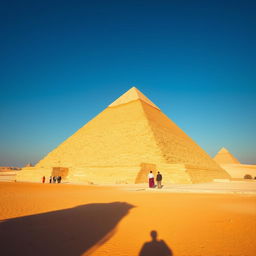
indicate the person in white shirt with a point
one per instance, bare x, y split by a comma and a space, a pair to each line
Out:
151, 181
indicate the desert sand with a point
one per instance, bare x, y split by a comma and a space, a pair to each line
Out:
64, 219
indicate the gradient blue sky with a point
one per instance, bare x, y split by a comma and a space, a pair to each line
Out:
63, 62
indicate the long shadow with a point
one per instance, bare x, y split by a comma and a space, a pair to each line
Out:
71, 231
155, 247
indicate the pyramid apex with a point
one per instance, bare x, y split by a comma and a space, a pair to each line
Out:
131, 95
223, 150
133, 89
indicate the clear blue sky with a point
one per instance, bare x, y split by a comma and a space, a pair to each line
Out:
63, 62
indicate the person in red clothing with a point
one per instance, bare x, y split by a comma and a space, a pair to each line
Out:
151, 181
43, 179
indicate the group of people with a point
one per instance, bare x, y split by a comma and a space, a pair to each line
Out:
151, 180
52, 179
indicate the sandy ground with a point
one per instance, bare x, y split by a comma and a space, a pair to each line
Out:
63, 219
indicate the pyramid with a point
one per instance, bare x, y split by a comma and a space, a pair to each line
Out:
28, 165
225, 157
233, 167
123, 143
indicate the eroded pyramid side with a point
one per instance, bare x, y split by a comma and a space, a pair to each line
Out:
117, 136
177, 147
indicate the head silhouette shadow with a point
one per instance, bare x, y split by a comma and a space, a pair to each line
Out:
155, 247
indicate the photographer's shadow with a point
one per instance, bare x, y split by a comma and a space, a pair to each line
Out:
155, 247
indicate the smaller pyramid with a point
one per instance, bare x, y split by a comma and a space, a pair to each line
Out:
225, 157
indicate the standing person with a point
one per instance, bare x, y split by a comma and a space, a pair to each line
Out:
54, 179
159, 180
43, 179
151, 181
59, 179
50, 180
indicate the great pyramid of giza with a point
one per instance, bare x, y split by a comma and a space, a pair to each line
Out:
225, 157
121, 144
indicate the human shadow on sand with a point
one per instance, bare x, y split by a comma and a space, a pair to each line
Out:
66, 232
155, 247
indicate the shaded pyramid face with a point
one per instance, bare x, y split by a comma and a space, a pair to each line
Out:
225, 157
130, 133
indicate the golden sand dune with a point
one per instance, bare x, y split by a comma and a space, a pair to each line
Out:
60, 219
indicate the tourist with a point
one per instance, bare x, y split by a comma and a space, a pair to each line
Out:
43, 179
151, 181
159, 180
59, 179
54, 179
50, 180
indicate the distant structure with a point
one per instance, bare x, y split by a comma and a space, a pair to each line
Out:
224, 157
8, 173
122, 144
28, 165
9, 168
233, 167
